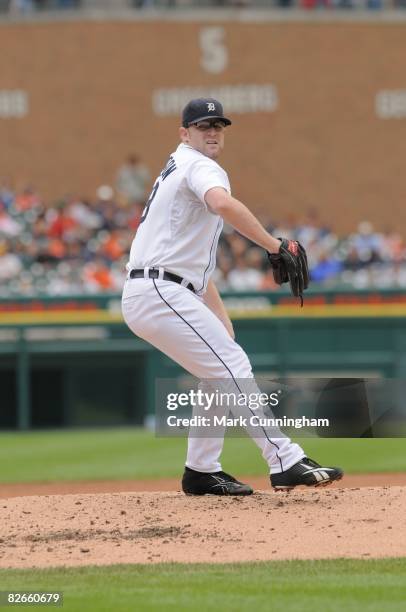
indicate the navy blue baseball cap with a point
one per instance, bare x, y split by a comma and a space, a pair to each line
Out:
201, 109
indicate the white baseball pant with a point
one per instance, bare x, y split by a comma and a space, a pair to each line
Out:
178, 323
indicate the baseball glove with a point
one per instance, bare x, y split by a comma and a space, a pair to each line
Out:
289, 265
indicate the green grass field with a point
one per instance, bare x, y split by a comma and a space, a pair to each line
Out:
291, 586
135, 453
295, 586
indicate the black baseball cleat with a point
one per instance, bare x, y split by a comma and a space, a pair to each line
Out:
214, 483
305, 472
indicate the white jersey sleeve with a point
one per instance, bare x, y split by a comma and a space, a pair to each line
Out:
204, 175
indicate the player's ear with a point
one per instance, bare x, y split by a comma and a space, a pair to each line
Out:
183, 134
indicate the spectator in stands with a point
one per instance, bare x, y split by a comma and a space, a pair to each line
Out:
97, 277
237, 245
247, 273
312, 4
27, 199
286, 227
222, 271
393, 247
327, 267
67, 4
21, 6
10, 263
6, 193
112, 247
63, 224
375, 5
132, 181
83, 214
8, 226
366, 243
150, 3
268, 282
311, 229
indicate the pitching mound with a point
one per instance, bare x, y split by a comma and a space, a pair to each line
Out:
259, 483
152, 527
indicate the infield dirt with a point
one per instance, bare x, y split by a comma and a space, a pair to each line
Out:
150, 527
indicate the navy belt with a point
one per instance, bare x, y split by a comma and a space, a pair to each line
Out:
154, 273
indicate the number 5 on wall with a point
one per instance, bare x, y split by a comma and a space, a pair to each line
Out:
214, 58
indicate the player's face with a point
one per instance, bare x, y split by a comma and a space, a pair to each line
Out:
206, 137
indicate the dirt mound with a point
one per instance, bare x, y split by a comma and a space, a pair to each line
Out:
151, 527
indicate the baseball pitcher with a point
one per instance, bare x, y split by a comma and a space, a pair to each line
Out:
170, 301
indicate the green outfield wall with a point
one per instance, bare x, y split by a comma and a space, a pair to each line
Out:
73, 362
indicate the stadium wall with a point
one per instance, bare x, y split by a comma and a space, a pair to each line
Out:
319, 108
62, 365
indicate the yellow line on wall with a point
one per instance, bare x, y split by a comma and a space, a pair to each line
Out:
309, 312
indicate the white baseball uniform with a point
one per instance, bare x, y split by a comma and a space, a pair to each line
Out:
179, 234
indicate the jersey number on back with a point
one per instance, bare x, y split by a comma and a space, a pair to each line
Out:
150, 200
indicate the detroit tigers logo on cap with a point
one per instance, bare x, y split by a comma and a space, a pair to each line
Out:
203, 108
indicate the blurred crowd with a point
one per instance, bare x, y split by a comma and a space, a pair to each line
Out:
362, 260
29, 6
80, 245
